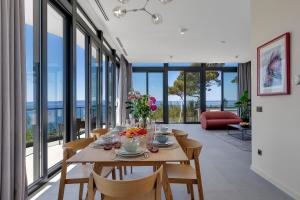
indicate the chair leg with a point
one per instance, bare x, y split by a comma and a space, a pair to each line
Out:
200, 189
120, 173
188, 188
113, 174
61, 189
80, 191
191, 191
125, 170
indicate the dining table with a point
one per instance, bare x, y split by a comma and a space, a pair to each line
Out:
102, 158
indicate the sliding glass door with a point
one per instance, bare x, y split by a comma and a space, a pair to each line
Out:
230, 83
184, 96
213, 85
95, 88
55, 84
80, 83
176, 96
33, 139
193, 97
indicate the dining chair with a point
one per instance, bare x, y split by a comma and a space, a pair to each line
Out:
97, 133
79, 173
146, 188
184, 173
179, 135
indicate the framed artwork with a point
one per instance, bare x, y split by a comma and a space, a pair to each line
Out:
273, 67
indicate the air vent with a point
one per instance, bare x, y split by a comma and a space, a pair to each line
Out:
119, 41
102, 10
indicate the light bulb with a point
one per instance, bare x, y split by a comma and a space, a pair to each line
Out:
119, 12
156, 18
123, 1
165, 1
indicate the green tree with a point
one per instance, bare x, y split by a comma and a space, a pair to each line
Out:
193, 84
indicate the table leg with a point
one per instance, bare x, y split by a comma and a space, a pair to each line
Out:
166, 184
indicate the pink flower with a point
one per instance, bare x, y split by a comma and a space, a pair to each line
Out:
153, 100
153, 107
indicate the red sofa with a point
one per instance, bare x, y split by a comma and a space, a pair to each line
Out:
218, 119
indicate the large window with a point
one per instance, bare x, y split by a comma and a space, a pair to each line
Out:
32, 99
80, 83
176, 96
139, 82
230, 91
193, 96
55, 85
62, 86
95, 89
213, 90
155, 88
187, 88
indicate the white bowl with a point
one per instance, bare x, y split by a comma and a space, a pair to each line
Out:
131, 147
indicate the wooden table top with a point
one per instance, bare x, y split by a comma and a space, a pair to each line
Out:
94, 155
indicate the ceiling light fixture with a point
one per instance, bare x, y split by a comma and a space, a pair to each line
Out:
182, 31
119, 11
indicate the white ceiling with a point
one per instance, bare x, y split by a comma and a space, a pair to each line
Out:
208, 22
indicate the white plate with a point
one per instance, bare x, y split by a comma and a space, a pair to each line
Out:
167, 144
123, 152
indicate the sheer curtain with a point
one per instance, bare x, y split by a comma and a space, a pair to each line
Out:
124, 85
12, 101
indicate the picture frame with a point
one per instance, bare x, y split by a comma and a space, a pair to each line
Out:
273, 67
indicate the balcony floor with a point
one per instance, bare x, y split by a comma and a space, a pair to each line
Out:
225, 172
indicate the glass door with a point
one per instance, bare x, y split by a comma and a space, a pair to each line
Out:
33, 139
193, 98
213, 83
80, 84
176, 96
55, 84
95, 88
230, 84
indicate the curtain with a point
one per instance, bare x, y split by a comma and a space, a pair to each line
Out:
12, 101
124, 84
244, 78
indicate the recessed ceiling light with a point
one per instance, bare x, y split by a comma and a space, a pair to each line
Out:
182, 31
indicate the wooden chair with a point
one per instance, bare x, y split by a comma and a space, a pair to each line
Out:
147, 188
179, 135
184, 173
98, 132
80, 173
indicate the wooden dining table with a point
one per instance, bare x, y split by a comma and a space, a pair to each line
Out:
101, 158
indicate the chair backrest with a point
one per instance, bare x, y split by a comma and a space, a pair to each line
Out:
71, 148
192, 148
179, 135
144, 188
96, 133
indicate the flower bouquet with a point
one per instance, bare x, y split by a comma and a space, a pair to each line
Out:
141, 106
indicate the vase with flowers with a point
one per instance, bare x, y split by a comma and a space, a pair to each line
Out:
141, 107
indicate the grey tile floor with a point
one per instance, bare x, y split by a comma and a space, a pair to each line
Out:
226, 173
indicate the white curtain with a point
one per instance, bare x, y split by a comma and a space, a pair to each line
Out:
124, 84
12, 101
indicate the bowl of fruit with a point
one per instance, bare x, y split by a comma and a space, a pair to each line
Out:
130, 132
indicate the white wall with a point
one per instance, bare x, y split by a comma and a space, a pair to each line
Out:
277, 129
